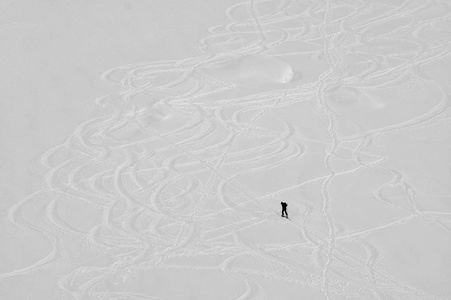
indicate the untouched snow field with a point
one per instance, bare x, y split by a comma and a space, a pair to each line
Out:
146, 147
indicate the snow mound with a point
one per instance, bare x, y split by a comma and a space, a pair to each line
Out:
252, 70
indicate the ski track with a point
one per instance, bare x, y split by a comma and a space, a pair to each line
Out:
164, 193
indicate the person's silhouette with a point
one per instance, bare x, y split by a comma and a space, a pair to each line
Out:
284, 209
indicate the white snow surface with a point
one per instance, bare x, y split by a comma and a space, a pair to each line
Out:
146, 146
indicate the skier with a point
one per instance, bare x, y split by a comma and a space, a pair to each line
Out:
284, 209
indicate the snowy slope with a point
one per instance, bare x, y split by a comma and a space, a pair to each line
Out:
146, 147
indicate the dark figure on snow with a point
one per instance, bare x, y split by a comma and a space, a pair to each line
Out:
284, 209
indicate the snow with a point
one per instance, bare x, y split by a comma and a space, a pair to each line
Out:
146, 147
